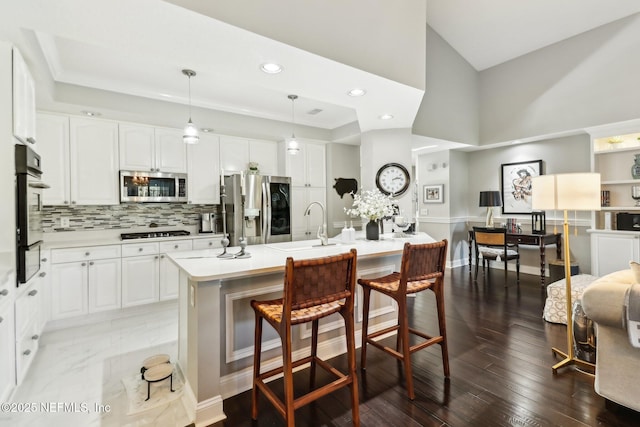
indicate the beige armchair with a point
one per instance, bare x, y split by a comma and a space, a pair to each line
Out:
617, 362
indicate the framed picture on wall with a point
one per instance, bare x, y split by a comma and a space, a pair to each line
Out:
516, 185
433, 193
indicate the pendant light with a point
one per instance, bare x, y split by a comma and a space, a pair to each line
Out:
292, 144
190, 134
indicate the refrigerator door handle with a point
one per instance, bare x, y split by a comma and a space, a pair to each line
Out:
266, 209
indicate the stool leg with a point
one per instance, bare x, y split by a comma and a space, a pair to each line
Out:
438, 290
314, 352
171, 383
287, 372
351, 356
366, 296
406, 352
148, 391
257, 348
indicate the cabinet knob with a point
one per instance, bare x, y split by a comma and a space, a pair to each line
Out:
90, 262
4, 292
31, 140
44, 273
44, 260
140, 249
35, 337
26, 352
175, 246
73, 202
162, 256
1, 319
156, 257
66, 202
210, 243
83, 264
87, 253
33, 293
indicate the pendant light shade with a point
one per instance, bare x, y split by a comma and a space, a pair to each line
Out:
292, 143
190, 134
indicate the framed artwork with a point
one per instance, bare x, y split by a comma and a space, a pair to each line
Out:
433, 193
516, 185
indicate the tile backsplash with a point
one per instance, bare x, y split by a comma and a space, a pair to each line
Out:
124, 216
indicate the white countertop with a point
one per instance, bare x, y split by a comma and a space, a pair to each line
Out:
73, 239
204, 265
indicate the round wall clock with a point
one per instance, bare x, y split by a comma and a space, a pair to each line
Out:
393, 178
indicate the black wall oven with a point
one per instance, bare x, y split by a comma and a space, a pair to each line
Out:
28, 212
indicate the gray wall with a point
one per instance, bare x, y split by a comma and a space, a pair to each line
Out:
449, 109
587, 80
342, 162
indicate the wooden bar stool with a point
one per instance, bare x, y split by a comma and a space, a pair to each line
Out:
313, 289
422, 268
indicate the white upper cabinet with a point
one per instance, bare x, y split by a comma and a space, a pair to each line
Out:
24, 101
308, 167
54, 149
80, 160
145, 148
236, 153
93, 151
203, 168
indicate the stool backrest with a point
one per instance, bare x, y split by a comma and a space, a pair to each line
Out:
490, 236
423, 261
311, 282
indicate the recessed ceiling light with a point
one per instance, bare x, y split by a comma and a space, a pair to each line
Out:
386, 117
271, 68
357, 92
206, 130
90, 113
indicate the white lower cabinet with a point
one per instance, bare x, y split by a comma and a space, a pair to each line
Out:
85, 280
28, 326
7, 355
612, 252
169, 272
140, 274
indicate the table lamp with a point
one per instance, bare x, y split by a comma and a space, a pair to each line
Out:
490, 199
576, 192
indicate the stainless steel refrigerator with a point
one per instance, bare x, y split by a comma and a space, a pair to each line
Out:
259, 208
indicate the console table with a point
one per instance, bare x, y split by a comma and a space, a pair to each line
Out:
539, 240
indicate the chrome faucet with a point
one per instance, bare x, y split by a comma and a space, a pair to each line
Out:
322, 230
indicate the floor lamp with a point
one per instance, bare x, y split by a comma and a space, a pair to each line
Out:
575, 192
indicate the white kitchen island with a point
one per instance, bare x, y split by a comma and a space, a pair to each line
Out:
216, 325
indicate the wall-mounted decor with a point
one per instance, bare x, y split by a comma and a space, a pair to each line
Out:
433, 193
516, 185
346, 186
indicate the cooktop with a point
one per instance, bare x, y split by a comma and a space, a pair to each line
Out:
152, 234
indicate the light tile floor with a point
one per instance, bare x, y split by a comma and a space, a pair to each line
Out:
82, 368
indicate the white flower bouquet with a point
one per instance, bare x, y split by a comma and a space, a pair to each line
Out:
371, 205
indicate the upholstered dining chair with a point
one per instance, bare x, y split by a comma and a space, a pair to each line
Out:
491, 245
422, 268
313, 289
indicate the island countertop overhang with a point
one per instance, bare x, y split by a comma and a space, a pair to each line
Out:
204, 265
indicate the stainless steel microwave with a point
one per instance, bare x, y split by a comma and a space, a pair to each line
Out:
152, 187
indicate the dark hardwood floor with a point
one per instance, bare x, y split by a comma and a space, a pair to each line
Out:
500, 355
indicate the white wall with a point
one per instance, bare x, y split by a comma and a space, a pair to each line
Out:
342, 162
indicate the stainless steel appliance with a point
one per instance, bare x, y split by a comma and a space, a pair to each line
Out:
208, 222
265, 213
28, 212
152, 187
153, 234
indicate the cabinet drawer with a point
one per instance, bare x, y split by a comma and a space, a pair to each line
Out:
26, 348
27, 307
524, 240
136, 249
175, 246
207, 243
84, 253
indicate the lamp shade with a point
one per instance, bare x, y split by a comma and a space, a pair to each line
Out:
543, 192
578, 191
567, 191
490, 198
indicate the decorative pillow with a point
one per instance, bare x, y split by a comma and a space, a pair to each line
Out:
635, 268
